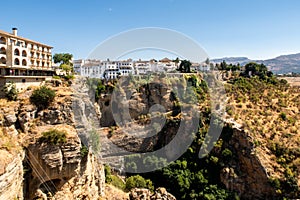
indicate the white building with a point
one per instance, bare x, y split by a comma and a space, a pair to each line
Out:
143, 67
105, 69
23, 61
167, 65
77, 64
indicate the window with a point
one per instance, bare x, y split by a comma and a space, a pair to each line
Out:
24, 62
17, 62
2, 60
2, 50
24, 54
16, 52
2, 40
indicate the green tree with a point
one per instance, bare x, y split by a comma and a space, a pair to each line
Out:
185, 66
63, 58
223, 65
138, 181
177, 60
256, 69
42, 97
65, 61
207, 61
67, 68
11, 92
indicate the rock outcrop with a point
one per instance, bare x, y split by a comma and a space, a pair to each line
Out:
62, 171
46, 170
146, 194
139, 103
246, 174
11, 176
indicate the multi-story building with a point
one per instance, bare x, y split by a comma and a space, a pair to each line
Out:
105, 69
23, 61
91, 68
77, 65
167, 65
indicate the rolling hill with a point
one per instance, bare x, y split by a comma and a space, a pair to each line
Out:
279, 65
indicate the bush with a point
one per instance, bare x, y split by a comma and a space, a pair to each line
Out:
42, 97
56, 77
117, 182
84, 151
69, 77
226, 153
283, 116
100, 89
138, 181
11, 92
108, 175
54, 136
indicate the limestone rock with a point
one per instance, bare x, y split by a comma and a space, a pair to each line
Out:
140, 194
26, 115
247, 175
10, 118
145, 194
62, 171
11, 177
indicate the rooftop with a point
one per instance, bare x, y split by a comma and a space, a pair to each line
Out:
21, 38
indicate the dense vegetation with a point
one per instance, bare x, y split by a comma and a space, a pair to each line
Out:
190, 177
42, 97
262, 104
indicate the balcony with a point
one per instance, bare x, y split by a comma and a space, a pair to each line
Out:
32, 73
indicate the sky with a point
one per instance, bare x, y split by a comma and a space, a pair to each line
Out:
258, 29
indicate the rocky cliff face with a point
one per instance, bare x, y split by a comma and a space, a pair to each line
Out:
63, 171
246, 173
59, 171
11, 176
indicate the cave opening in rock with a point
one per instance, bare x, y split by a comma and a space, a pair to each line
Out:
50, 187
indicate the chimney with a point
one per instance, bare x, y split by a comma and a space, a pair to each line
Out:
15, 31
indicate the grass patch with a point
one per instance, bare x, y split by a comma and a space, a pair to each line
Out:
54, 136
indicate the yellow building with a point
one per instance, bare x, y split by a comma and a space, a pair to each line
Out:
23, 61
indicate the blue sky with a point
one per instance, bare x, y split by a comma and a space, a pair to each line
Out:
254, 28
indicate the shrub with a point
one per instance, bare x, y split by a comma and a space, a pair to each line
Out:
69, 77
113, 179
138, 181
226, 153
117, 182
283, 116
54, 136
275, 182
42, 97
56, 77
99, 90
108, 175
11, 92
84, 151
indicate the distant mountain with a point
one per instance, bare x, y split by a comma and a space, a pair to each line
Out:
233, 60
279, 65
